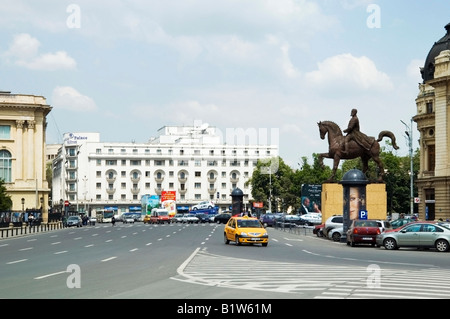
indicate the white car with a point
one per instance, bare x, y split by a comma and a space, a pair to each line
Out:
204, 205
335, 233
332, 222
189, 219
312, 218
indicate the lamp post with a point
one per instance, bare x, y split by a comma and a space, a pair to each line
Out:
408, 133
23, 205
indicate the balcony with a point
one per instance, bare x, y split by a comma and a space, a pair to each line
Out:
135, 190
111, 190
182, 191
110, 179
135, 179
212, 190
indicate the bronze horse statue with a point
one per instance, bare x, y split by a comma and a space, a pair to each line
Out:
336, 148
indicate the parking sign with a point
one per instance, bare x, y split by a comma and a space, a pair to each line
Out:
363, 214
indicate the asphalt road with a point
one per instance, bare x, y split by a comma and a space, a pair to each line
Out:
187, 262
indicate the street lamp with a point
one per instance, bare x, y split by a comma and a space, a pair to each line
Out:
23, 204
408, 133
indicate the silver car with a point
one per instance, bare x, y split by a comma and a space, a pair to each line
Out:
417, 234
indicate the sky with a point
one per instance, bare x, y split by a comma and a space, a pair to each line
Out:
126, 68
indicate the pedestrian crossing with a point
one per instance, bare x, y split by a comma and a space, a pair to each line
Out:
318, 281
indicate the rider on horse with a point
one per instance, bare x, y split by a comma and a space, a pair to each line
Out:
354, 134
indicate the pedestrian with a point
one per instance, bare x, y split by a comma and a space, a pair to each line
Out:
113, 220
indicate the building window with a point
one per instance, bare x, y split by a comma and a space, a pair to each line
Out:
98, 197
224, 174
171, 173
99, 162
123, 196
431, 157
135, 151
181, 152
147, 185
98, 185
198, 185
198, 196
211, 152
198, 163
98, 151
110, 197
147, 162
135, 163
147, 174
123, 185
98, 173
5, 132
429, 107
158, 151
198, 174
110, 151
224, 185
5, 166
124, 162
123, 173
147, 151
171, 185
111, 162
123, 151
196, 152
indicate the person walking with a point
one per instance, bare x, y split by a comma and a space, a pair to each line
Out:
113, 221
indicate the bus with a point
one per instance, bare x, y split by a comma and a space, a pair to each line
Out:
105, 216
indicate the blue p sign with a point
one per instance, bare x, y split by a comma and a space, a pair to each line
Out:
363, 214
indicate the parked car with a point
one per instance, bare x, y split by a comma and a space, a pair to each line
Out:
384, 225
203, 205
267, 219
318, 230
288, 220
335, 233
311, 219
222, 218
400, 222
416, 234
92, 220
189, 218
363, 232
245, 230
74, 221
333, 222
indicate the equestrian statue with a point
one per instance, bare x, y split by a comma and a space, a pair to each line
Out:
354, 144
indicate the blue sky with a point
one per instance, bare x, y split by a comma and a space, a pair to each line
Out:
127, 68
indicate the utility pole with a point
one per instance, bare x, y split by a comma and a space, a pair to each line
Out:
408, 133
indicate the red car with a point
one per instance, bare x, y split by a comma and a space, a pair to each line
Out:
363, 232
318, 230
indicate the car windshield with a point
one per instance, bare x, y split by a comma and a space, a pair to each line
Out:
245, 223
365, 223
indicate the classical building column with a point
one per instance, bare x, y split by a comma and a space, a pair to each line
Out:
19, 150
30, 154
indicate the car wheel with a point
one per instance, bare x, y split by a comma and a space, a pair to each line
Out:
352, 244
225, 239
265, 225
264, 244
336, 236
390, 244
218, 221
441, 245
236, 239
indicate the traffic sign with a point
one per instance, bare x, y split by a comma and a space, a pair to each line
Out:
66, 203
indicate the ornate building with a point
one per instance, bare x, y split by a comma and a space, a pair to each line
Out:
433, 124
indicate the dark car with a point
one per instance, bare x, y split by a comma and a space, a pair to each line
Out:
267, 219
222, 218
203, 218
363, 232
401, 222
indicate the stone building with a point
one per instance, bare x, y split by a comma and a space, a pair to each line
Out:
22, 150
433, 124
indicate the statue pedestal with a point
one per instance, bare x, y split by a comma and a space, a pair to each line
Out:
333, 201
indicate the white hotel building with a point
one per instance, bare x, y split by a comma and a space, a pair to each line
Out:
196, 162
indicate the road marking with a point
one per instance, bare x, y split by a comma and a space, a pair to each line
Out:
108, 259
17, 261
60, 252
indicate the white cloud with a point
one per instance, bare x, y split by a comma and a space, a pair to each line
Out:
68, 98
348, 72
413, 69
24, 52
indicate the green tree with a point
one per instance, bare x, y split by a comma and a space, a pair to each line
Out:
5, 199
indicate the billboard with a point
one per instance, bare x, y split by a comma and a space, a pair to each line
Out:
148, 202
311, 198
168, 202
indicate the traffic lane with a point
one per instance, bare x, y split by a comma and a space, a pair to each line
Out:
113, 259
285, 246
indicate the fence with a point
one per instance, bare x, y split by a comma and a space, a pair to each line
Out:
293, 228
9, 232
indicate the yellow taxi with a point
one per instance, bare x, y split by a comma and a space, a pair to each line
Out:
245, 230
146, 219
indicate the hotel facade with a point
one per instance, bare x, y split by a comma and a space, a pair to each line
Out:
197, 163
